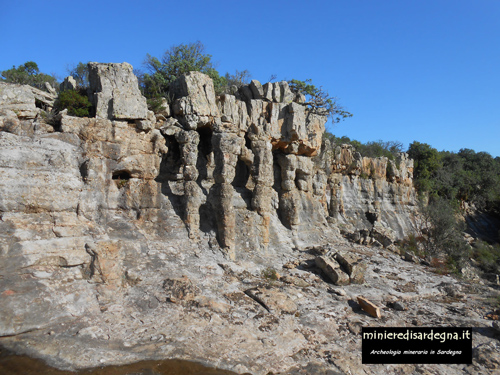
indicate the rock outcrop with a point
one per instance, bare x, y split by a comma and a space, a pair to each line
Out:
115, 92
371, 200
133, 236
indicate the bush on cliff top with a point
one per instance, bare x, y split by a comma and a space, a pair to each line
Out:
76, 103
319, 101
176, 61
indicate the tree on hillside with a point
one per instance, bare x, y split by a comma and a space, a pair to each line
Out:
80, 73
443, 233
28, 74
426, 163
176, 61
319, 101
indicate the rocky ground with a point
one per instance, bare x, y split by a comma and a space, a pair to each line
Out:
195, 234
192, 303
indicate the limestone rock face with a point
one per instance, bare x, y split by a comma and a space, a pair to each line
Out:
116, 92
163, 224
369, 198
195, 100
19, 99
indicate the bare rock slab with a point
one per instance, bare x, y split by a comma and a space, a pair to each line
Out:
332, 270
370, 307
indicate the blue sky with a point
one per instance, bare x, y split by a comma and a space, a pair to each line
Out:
425, 70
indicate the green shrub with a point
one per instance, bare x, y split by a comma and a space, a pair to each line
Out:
389, 171
156, 104
77, 104
488, 256
444, 233
178, 60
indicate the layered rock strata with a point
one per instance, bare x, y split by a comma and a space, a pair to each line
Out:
97, 213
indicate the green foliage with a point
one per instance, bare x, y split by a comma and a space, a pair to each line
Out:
76, 103
50, 117
80, 73
443, 232
178, 60
319, 101
155, 104
28, 74
426, 163
465, 176
488, 256
373, 149
390, 172
121, 183
413, 244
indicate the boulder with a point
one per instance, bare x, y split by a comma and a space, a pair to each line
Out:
332, 269
198, 92
276, 92
115, 92
19, 99
354, 265
268, 91
44, 97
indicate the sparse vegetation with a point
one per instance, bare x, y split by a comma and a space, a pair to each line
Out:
80, 73
155, 104
319, 101
76, 103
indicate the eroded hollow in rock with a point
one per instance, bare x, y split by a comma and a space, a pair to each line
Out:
121, 175
170, 165
371, 217
205, 155
241, 175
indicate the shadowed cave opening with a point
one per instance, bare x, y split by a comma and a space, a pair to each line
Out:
241, 176
170, 165
121, 175
371, 217
204, 151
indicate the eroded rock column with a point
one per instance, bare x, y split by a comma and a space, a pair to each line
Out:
289, 199
188, 141
263, 177
227, 148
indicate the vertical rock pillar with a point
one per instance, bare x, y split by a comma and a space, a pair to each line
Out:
227, 148
263, 176
188, 141
289, 199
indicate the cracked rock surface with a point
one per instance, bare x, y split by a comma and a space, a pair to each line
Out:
195, 236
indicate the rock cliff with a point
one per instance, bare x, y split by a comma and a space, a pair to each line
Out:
131, 235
